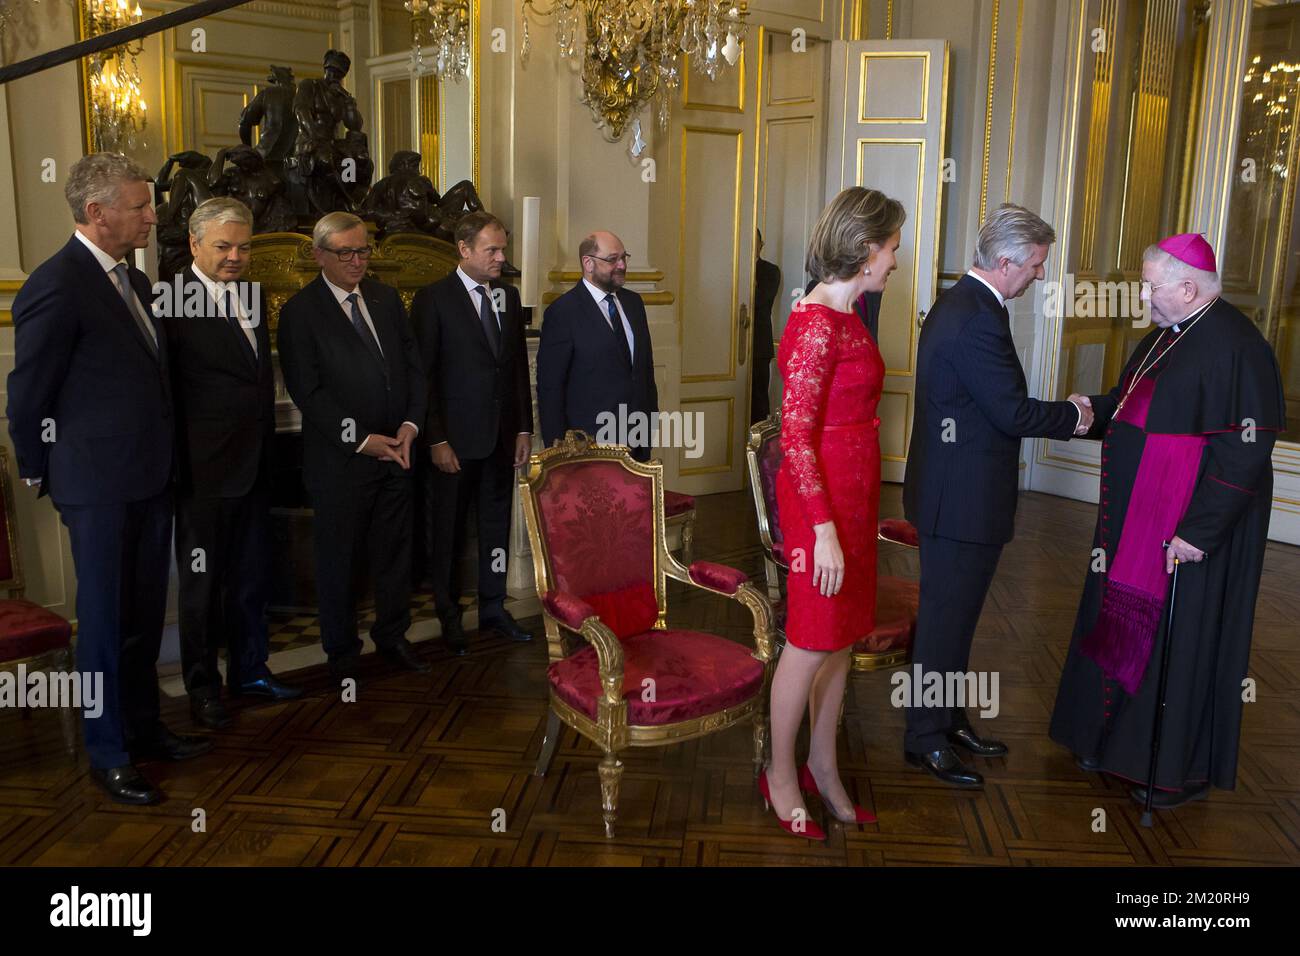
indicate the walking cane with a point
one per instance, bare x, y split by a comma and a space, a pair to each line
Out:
1146, 820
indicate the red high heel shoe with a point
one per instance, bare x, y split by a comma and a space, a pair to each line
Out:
806, 782
811, 830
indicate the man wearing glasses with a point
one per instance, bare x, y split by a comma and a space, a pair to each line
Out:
595, 359
471, 333
351, 365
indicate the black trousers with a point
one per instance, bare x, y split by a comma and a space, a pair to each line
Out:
366, 515
488, 483
223, 588
121, 553
955, 579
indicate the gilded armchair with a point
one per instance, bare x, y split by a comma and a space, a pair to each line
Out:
596, 525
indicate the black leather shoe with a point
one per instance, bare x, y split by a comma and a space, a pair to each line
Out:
979, 746
170, 746
505, 625
454, 635
125, 785
1167, 800
208, 712
1087, 764
403, 656
269, 687
947, 766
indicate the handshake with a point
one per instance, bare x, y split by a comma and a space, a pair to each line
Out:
1084, 404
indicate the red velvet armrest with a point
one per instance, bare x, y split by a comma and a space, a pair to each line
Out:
568, 609
899, 531
718, 577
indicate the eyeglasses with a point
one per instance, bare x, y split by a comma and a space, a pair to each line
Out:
345, 255
1148, 288
613, 259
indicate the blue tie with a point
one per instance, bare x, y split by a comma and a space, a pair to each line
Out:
359, 323
488, 317
232, 316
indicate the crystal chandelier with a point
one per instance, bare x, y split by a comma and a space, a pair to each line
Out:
634, 47
443, 25
117, 110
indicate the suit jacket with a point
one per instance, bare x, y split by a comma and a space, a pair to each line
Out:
475, 398
332, 377
225, 405
82, 364
581, 370
972, 408
767, 289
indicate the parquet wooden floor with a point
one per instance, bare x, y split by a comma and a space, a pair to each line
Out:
419, 769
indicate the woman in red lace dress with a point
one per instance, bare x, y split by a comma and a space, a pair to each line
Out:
828, 495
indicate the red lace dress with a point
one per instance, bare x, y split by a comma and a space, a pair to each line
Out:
832, 373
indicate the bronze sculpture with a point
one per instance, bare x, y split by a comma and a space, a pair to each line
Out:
271, 111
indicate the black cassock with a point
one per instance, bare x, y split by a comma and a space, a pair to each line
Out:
1218, 382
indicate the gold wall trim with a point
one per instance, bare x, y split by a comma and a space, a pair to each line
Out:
739, 69
867, 57
731, 430
988, 110
1015, 95
1098, 130
908, 398
889, 20
739, 137
475, 112
916, 267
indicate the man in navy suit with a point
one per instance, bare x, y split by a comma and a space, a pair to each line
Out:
595, 359
225, 417
352, 368
90, 415
972, 409
470, 328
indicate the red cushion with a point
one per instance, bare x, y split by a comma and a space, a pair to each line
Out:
628, 610
694, 674
719, 577
27, 629
567, 609
900, 532
778, 553
676, 503
896, 604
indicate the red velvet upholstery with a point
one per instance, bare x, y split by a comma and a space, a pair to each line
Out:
694, 674
628, 610
27, 629
676, 503
597, 522
770, 456
568, 610
896, 604
717, 576
900, 532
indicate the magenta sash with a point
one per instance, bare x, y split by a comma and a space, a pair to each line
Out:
1136, 584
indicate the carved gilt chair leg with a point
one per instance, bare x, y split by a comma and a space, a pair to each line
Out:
760, 740
553, 729
611, 771
688, 539
773, 575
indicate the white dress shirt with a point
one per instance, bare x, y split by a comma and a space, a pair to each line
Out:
600, 295
342, 297
109, 264
218, 295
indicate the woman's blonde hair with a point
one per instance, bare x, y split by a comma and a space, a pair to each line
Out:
855, 217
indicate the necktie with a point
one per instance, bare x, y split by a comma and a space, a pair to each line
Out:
128, 297
489, 320
232, 317
359, 323
616, 326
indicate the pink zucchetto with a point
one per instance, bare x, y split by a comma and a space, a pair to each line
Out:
1191, 248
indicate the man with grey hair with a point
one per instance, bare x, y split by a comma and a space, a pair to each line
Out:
972, 409
1186, 478
225, 418
90, 415
351, 365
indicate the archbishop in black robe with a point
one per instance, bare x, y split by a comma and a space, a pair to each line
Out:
1220, 383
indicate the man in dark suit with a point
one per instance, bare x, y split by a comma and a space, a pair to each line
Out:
225, 418
352, 368
480, 421
90, 415
767, 290
595, 362
972, 409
